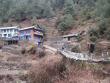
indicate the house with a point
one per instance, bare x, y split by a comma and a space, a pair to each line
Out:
8, 32
7, 35
12, 35
33, 33
70, 37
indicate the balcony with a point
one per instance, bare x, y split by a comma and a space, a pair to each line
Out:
38, 33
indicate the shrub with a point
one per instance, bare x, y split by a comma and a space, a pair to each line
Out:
101, 32
93, 32
79, 65
88, 16
107, 34
75, 49
79, 38
41, 52
23, 51
102, 27
32, 49
94, 35
93, 38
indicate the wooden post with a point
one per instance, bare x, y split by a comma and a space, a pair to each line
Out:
32, 34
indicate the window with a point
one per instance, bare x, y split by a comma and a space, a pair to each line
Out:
7, 30
10, 30
9, 35
5, 35
4, 30
15, 30
27, 37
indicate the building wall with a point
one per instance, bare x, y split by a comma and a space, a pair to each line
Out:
30, 35
8, 33
72, 39
38, 38
25, 35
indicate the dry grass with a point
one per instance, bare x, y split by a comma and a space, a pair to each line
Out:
46, 69
57, 69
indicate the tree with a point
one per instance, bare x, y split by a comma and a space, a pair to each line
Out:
65, 23
57, 4
69, 7
103, 12
103, 8
47, 9
23, 9
4, 6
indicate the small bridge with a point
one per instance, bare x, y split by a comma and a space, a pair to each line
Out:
84, 57
78, 56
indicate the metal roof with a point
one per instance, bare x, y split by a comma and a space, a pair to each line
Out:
71, 35
32, 27
27, 28
14, 27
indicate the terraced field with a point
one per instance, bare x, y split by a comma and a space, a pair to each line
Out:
13, 68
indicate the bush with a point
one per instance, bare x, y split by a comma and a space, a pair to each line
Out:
93, 35
93, 38
23, 51
101, 32
88, 16
79, 38
41, 53
103, 25
75, 49
107, 33
93, 32
31, 49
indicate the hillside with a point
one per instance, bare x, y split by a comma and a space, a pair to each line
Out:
51, 68
61, 58
62, 16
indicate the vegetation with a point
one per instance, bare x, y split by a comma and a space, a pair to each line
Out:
25, 9
44, 71
19, 10
22, 9
75, 49
65, 23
